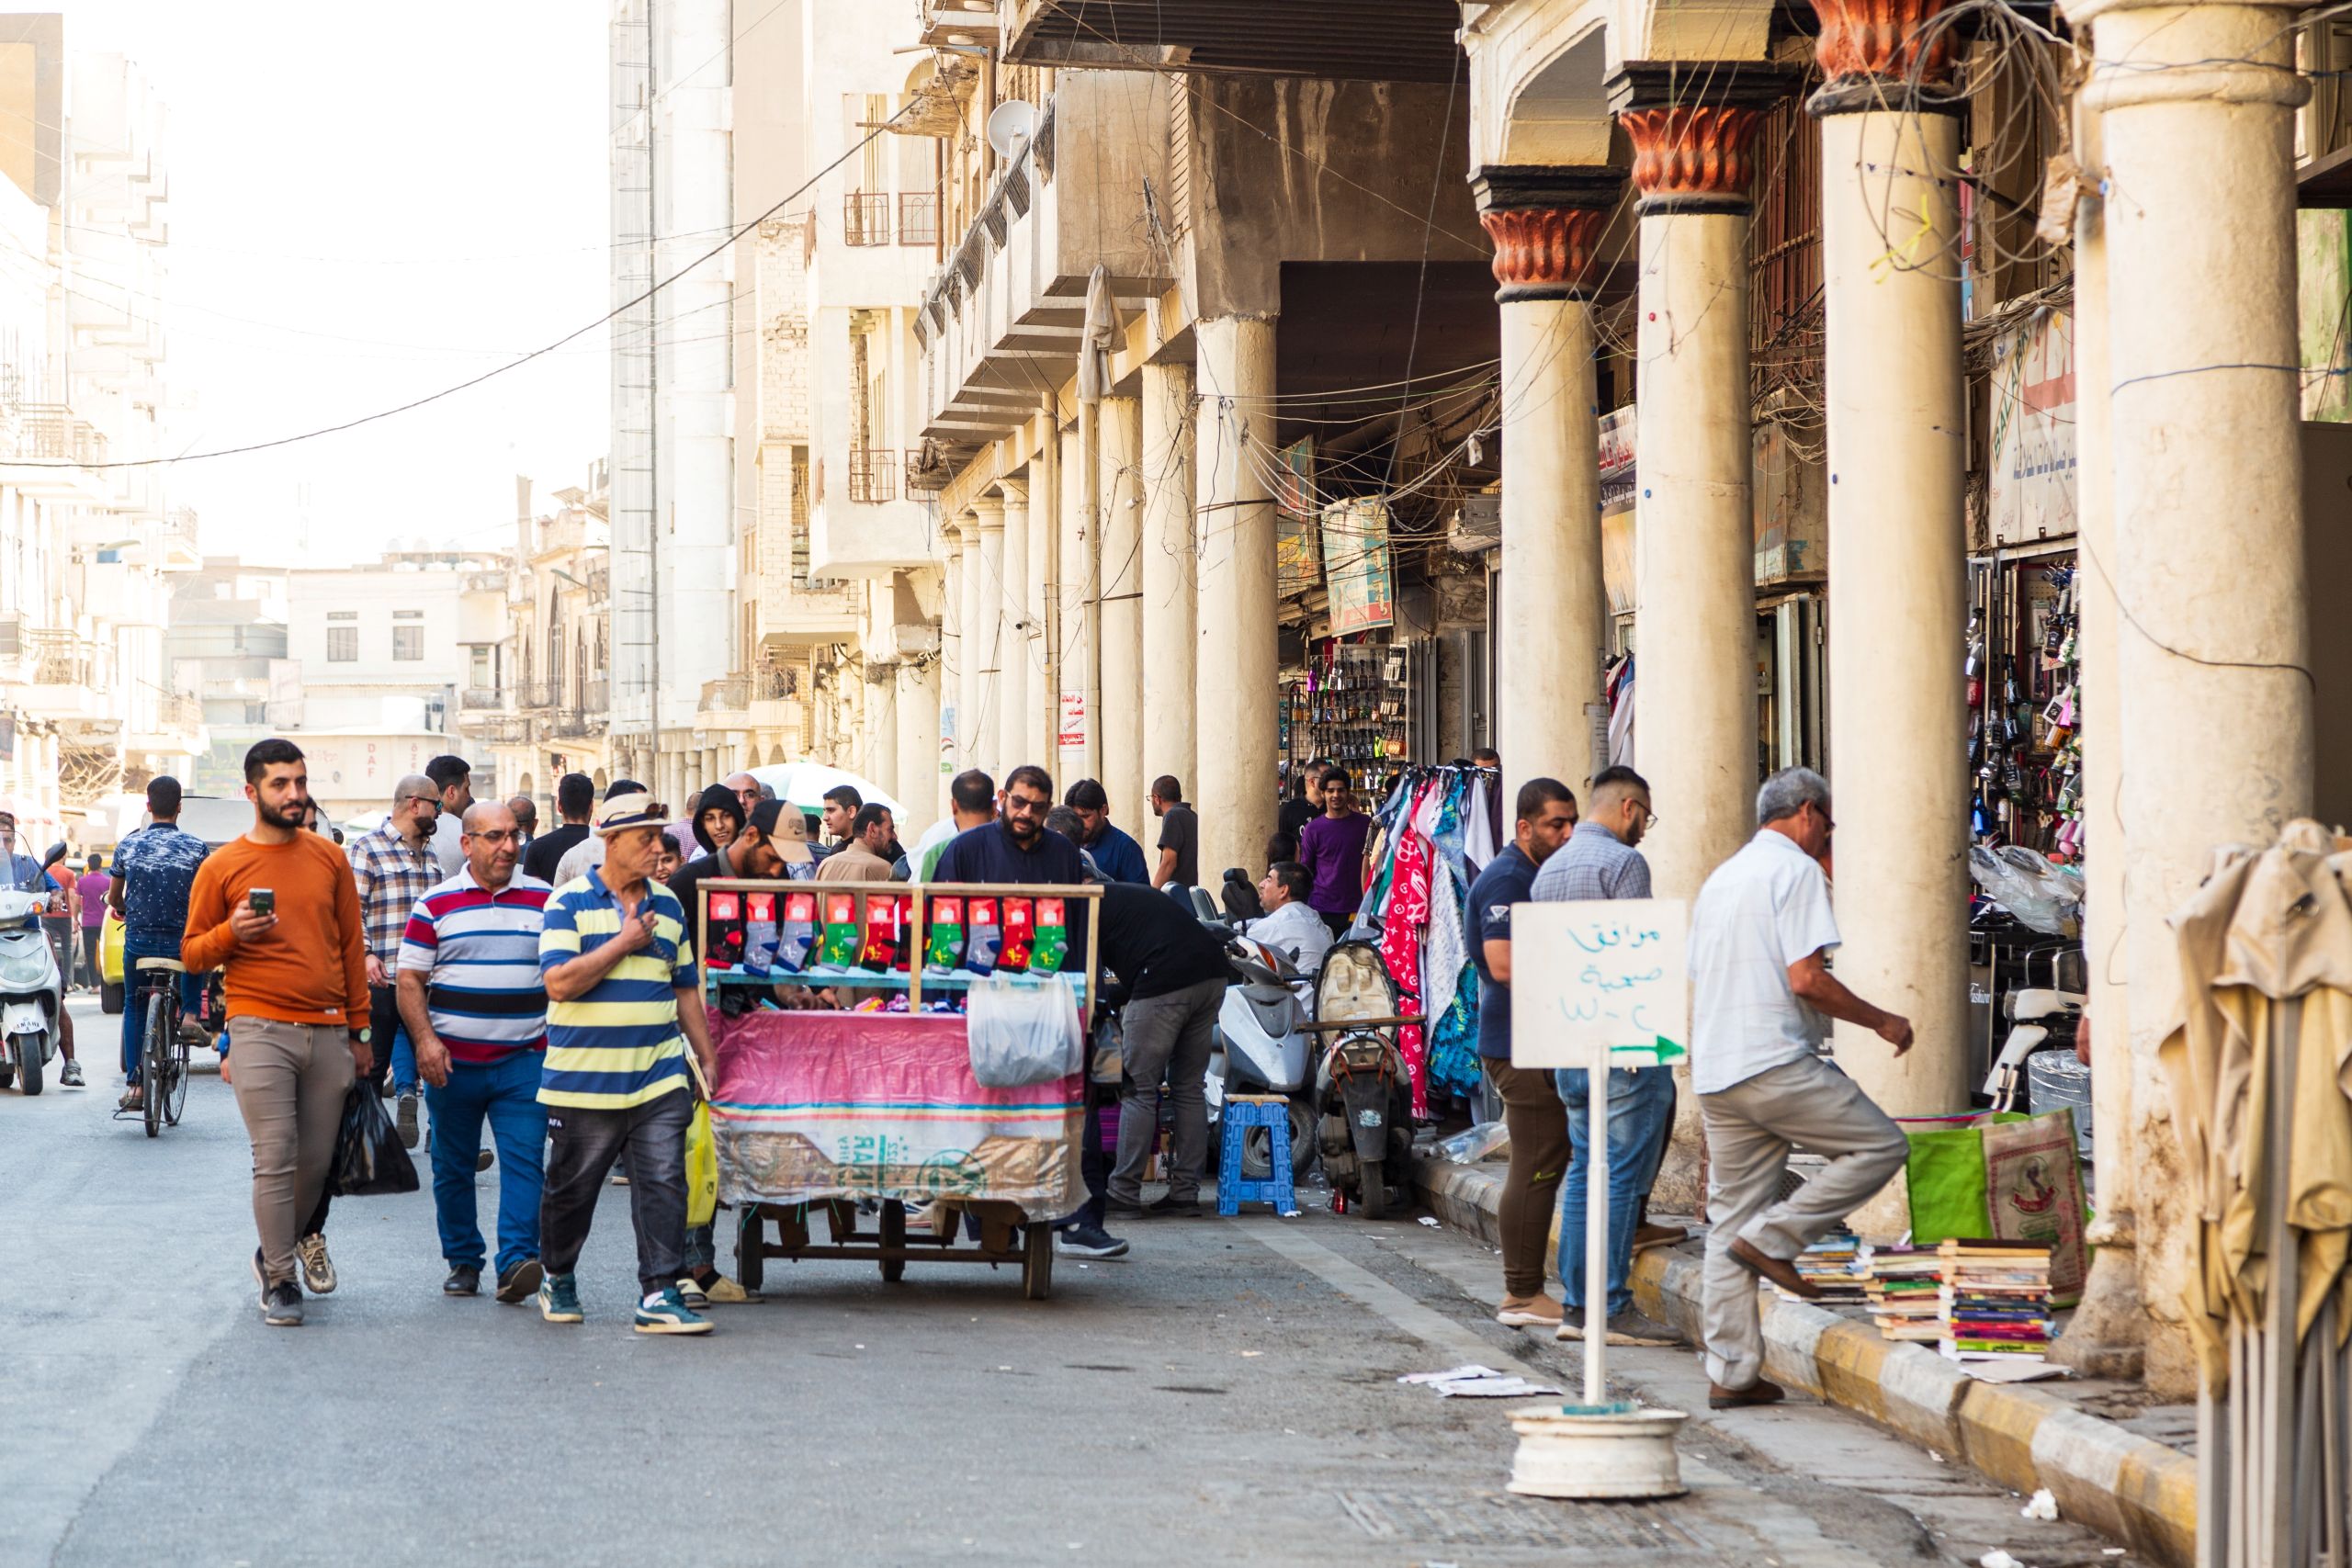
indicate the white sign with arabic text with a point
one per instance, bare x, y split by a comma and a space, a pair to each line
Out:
1598, 974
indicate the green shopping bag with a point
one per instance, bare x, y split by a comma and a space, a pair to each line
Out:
1945, 1173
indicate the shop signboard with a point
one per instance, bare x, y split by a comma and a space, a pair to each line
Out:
1296, 569
1073, 724
2032, 487
1598, 974
1355, 565
947, 738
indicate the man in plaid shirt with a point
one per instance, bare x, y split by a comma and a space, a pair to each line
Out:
394, 867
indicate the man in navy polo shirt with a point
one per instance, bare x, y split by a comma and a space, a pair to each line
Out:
1536, 1120
1017, 846
477, 1013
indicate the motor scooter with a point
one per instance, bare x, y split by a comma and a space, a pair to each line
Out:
1363, 1093
1262, 1047
2039, 1017
33, 992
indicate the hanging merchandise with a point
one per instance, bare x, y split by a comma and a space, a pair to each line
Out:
1353, 705
1434, 828
1618, 683
2022, 672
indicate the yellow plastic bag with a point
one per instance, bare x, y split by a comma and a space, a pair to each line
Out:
702, 1168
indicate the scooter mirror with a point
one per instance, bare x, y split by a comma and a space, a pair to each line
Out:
56, 853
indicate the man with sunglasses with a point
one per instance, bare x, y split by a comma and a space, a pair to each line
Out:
1602, 860
1017, 847
1760, 935
394, 866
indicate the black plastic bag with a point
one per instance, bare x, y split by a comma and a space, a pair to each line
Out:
368, 1159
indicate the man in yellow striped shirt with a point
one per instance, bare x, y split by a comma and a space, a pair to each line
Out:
624, 1002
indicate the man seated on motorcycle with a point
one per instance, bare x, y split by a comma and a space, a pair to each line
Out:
1290, 926
23, 873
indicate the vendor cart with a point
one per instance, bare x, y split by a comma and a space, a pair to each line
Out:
844, 1091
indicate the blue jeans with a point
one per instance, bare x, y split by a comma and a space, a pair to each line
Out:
134, 1009
404, 1063
1640, 1102
507, 1092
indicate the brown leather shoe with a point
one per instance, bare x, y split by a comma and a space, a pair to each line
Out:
1757, 1393
1780, 1273
1648, 1236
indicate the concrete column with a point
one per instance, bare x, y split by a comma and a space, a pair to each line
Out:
1236, 668
1036, 726
878, 735
2110, 1324
1695, 562
989, 636
1019, 693
2213, 648
953, 714
1120, 613
1551, 619
1166, 581
1898, 545
975, 650
921, 783
1074, 592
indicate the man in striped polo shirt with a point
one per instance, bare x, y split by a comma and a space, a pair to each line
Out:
477, 1013
621, 984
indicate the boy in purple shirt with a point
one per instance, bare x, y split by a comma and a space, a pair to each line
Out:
1332, 849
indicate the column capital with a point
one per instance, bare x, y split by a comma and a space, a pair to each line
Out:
1544, 220
1892, 56
988, 514
1693, 124
1015, 492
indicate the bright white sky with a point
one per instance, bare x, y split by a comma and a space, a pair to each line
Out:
369, 204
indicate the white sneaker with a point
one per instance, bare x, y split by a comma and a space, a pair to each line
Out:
318, 1268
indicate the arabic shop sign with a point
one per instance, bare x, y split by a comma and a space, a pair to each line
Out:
1598, 975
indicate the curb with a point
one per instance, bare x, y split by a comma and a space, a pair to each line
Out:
2128, 1487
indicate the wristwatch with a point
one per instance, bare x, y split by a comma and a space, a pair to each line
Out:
362, 1034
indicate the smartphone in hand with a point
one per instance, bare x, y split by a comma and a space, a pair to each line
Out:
262, 900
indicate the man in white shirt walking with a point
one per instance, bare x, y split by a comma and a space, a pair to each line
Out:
1760, 935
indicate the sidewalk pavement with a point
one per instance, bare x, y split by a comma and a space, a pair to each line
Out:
2124, 1486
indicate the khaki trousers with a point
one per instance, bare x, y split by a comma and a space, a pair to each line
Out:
1751, 1129
290, 1081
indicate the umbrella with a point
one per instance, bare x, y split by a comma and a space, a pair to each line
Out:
804, 785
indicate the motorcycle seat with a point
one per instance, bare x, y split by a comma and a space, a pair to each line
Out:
172, 964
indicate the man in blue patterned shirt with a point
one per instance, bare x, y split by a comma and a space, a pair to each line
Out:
153, 870
1600, 860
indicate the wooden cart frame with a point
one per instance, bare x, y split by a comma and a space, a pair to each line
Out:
1028, 1241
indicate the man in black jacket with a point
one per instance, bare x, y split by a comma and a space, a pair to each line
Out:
1175, 973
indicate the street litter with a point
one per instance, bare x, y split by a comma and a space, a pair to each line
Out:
1449, 1375
1429, 1221
1470, 1148
2020, 1370
2042, 1506
1493, 1388
1996, 1558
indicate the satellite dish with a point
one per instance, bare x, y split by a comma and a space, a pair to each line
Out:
1011, 124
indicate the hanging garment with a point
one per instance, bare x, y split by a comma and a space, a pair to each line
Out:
1444, 953
1454, 1044
1620, 715
1400, 949
1479, 839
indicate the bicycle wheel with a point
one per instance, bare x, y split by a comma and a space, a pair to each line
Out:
175, 1099
153, 1071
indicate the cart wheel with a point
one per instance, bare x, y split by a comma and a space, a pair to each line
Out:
750, 1257
1037, 1263
894, 1233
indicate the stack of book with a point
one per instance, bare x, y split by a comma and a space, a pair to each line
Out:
1832, 1266
1904, 1285
1994, 1301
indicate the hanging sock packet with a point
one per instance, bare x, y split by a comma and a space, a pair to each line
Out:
981, 937
722, 922
945, 948
797, 933
883, 921
756, 944
1051, 940
1020, 934
837, 948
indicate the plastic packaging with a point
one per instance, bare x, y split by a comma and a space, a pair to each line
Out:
1052, 944
1020, 934
369, 1160
837, 948
944, 949
884, 921
982, 936
2044, 897
1476, 1143
797, 934
723, 925
1023, 1034
759, 932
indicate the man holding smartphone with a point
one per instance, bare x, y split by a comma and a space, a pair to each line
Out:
278, 912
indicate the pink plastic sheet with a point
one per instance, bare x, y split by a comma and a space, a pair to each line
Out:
809, 1106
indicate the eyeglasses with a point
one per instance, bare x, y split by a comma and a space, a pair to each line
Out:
504, 835
423, 800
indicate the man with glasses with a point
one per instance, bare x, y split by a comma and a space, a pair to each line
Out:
394, 866
1017, 847
1760, 935
1600, 860
475, 1006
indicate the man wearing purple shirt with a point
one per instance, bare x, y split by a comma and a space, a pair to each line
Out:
1332, 849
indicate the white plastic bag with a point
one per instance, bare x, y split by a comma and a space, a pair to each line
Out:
1022, 1032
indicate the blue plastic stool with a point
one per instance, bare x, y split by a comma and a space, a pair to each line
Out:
1243, 1111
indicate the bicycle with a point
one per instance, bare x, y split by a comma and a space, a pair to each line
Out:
163, 1049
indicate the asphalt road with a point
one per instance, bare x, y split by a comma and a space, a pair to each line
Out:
1226, 1394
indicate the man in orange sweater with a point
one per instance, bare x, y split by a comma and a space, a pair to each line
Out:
277, 911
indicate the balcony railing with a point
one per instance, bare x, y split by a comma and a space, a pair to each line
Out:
600, 581
866, 218
61, 659
501, 728
771, 684
918, 217
478, 697
572, 722
538, 693
873, 475
729, 694
179, 714
596, 698
51, 432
